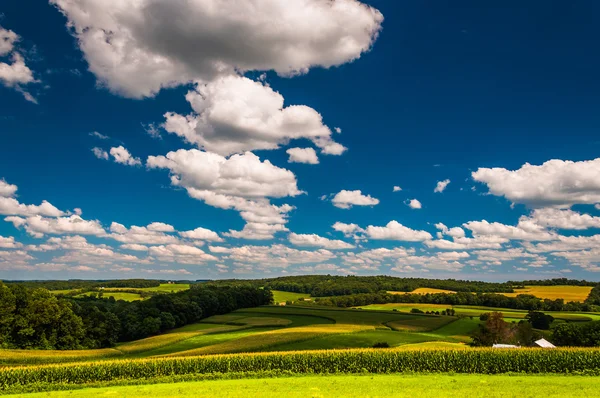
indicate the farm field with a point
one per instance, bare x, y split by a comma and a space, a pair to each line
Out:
281, 296
116, 295
474, 311
401, 385
568, 293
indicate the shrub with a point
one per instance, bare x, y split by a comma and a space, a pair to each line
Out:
381, 344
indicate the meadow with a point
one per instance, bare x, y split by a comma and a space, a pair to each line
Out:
126, 294
426, 386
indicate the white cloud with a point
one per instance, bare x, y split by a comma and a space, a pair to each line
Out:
346, 199
11, 206
7, 40
525, 230
15, 73
152, 234
245, 176
122, 155
134, 247
313, 240
337, 130
414, 204
441, 186
136, 47
396, 231
556, 183
234, 114
277, 256
397, 188
302, 155
441, 262
182, 254
7, 190
564, 244
240, 182
257, 231
563, 219
9, 243
100, 153
347, 229
39, 226
98, 135
202, 234
160, 227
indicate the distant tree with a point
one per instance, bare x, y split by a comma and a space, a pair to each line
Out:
382, 344
416, 311
539, 320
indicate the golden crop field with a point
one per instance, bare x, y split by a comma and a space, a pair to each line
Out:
568, 293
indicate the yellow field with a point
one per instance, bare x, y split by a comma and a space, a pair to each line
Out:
568, 293
425, 290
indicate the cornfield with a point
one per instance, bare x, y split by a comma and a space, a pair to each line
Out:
484, 360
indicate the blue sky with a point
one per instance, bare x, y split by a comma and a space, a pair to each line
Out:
216, 152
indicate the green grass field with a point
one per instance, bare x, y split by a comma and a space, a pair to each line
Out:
401, 385
292, 328
281, 297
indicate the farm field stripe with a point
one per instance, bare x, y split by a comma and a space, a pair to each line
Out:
484, 361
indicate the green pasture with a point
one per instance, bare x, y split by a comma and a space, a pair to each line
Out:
396, 385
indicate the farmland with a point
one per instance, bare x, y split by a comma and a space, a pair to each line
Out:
567, 293
360, 386
296, 343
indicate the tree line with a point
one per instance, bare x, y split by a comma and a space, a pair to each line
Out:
78, 284
35, 318
331, 285
520, 302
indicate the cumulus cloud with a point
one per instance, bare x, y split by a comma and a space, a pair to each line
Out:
135, 47
346, 199
274, 256
349, 230
397, 188
17, 73
153, 234
257, 231
396, 231
9, 206
234, 114
245, 175
441, 186
314, 240
39, 226
525, 230
302, 155
122, 155
556, 183
9, 243
563, 219
7, 41
202, 234
240, 182
7, 190
414, 204
183, 254
100, 153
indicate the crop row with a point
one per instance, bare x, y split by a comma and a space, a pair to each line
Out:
485, 361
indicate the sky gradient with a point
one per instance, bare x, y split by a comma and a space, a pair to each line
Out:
206, 139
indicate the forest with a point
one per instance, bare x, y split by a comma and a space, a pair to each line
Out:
329, 285
35, 318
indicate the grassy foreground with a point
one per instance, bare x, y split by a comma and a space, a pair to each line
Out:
359, 386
